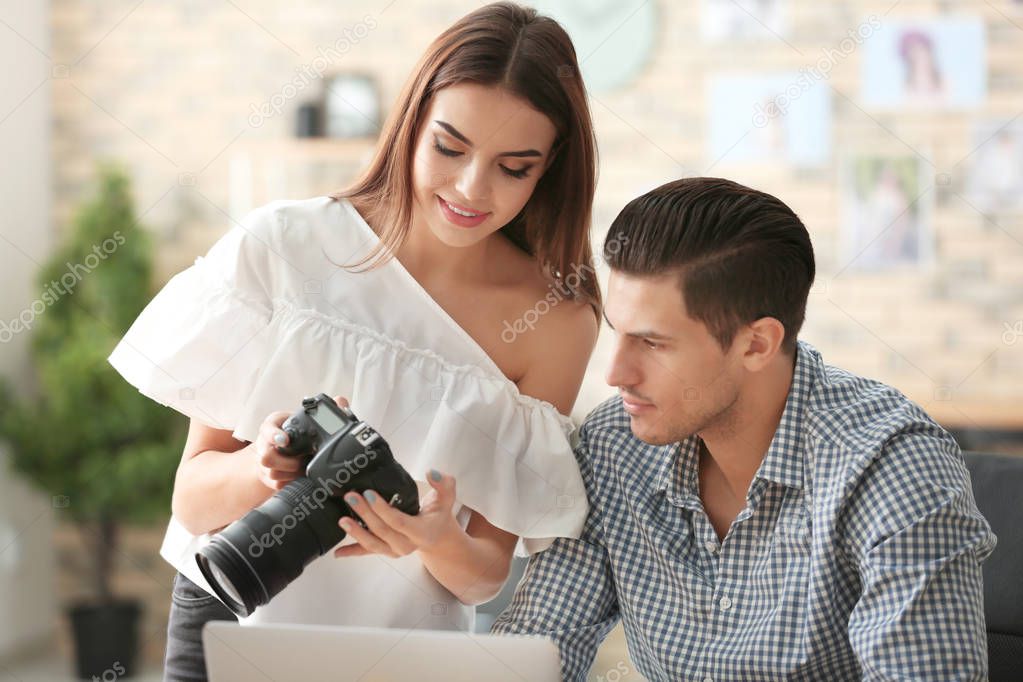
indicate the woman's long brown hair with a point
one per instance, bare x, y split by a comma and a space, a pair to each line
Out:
530, 55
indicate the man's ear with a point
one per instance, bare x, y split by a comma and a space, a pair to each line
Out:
764, 339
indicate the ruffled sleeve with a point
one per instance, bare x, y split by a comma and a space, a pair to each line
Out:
199, 344
510, 454
239, 335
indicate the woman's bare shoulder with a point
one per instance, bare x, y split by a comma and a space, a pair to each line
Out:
552, 334
539, 298
557, 343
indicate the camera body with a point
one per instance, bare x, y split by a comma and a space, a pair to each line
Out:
253, 559
342, 449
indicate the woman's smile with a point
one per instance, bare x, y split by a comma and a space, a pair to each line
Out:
460, 215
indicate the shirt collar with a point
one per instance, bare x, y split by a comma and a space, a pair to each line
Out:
677, 477
785, 458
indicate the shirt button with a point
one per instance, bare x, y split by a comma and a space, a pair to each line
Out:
725, 603
708, 678
711, 546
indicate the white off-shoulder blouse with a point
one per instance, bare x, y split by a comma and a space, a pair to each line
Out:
265, 318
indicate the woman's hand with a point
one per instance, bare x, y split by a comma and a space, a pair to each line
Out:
394, 533
277, 470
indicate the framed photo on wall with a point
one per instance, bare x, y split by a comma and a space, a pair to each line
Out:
926, 65
996, 169
724, 20
769, 118
886, 214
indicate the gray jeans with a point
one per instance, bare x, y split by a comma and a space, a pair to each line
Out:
191, 608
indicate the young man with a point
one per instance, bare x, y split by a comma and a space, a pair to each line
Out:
756, 514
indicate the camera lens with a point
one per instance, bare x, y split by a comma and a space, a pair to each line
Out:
254, 558
225, 583
248, 563
222, 585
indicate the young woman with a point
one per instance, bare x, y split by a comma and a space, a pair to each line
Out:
447, 294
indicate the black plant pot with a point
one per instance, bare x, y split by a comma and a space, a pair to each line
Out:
106, 639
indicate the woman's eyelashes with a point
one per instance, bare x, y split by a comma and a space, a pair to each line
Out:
444, 150
520, 173
515, 173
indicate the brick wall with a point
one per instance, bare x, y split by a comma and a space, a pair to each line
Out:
169, 89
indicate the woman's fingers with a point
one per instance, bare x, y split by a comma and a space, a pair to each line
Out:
365, 507
272, 459
275, 469
273, 422
444, 486
280, 475
271, 434
394, 533
351, 550
395, 519
276, 480
366, 538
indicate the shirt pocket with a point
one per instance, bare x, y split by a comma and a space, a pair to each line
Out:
780, 595
793, 532
788, 555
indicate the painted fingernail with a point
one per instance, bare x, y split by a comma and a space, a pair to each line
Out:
436, 475
370, 496
280, 439
352, 499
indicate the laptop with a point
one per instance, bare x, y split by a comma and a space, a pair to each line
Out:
314, 653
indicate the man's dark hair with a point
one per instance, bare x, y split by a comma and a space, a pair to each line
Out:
740, 254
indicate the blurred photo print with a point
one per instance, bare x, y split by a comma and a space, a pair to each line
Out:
743, 19
886, 214
932, 64
996, 169
770, 118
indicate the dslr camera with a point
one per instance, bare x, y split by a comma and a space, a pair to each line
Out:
250, 561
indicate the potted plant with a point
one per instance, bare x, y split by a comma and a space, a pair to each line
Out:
103, 451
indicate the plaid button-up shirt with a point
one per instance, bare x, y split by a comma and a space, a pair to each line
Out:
857, 556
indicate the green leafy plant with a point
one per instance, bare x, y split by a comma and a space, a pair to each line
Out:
106, 453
